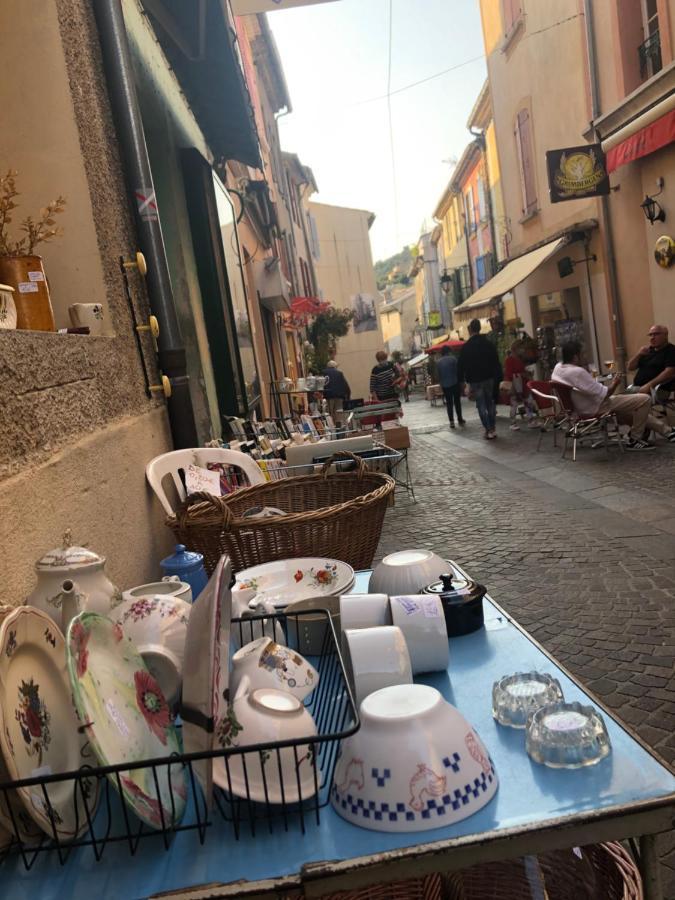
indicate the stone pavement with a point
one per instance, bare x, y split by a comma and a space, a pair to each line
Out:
582, 554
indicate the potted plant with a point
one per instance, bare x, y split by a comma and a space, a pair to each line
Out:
20, 268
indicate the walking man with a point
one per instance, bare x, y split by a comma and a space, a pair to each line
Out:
478, 366
447, 378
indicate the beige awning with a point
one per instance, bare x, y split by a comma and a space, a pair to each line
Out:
511, 275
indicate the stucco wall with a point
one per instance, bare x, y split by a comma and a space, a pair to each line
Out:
97, 488
345, 268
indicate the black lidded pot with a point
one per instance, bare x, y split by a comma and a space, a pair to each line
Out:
462, 601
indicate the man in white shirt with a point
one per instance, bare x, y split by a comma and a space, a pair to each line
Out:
591, 398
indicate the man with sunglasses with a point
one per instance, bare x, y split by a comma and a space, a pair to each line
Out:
654, 367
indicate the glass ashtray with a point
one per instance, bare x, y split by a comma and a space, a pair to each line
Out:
516, 697
567, 736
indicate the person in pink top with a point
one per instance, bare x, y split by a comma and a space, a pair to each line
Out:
516, 375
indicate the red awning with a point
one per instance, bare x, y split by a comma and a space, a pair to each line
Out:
453, 345
649, 139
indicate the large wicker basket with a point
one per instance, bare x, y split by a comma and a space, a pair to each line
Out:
338, 515
595, 872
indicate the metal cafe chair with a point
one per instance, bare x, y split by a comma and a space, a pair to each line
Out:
551, 414
583, 427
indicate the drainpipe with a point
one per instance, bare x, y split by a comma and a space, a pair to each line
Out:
608, 230
131, 137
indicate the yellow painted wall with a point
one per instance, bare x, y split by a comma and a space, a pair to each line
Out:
345, 268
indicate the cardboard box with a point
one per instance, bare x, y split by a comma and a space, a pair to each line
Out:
395, 436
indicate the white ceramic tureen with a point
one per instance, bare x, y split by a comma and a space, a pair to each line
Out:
67, 570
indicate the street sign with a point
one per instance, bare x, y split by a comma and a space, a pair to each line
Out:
577, 172
248, 7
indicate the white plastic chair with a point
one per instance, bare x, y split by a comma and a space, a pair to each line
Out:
177, 461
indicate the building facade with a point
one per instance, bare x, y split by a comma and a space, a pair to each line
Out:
399, 320
346, 278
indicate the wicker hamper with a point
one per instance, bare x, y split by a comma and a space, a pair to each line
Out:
338, 515
595, 872
429, 887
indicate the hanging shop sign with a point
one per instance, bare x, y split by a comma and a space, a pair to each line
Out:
248, 7
434, 319
577, 172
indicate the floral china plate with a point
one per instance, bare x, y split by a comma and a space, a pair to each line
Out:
126, 716
40, 733
286, 580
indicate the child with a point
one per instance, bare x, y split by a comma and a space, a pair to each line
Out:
517, 375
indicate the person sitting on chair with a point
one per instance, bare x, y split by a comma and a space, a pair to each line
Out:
590, 398
654, 367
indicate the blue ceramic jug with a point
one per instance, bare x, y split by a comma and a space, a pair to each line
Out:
188, 566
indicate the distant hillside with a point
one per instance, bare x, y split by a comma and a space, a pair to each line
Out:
393, 270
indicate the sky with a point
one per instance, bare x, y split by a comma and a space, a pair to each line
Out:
335, 58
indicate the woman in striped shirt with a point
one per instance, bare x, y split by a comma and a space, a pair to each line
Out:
383, 378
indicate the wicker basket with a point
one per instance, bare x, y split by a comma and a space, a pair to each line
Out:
595, 872
338, 515
427, 888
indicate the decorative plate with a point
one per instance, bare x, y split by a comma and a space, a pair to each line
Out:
205, 667
286, 580
40, 729
126, 716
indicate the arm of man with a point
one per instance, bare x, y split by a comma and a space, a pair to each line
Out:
581, 380
666, 375
634, 361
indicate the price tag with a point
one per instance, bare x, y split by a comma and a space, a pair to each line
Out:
198, 479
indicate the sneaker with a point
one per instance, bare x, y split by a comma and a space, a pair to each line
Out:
670, 436
635, 444
452, 424
515, 427
462, 422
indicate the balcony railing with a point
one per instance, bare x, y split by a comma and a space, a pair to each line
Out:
649, 54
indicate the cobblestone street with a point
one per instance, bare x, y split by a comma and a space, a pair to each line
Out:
581, 554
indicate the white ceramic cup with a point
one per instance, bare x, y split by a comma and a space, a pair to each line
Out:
364, 611
88, 315
376, 658
271, 665
308, 632
265, 716
422, 621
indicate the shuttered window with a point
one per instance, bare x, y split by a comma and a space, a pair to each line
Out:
523, 133
512, 13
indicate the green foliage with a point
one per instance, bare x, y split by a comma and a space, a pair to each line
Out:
36, 232
323, 333
394, 270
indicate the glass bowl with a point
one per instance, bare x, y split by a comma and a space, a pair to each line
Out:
516, 697
567, 736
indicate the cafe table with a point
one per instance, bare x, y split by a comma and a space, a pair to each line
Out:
629, 794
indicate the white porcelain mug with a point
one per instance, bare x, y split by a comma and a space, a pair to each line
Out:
89, 315
267, 664
422, 621
376, 658
364, 610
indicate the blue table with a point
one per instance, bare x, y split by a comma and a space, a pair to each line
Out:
629, 794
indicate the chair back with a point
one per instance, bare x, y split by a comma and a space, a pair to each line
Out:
174, 464
543, 396
564, 394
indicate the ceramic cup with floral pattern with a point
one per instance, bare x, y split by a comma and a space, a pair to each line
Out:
268, 664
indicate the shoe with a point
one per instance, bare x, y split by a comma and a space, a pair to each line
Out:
462, 422
491, 435
533, 423
452, 424
487, 435
670, 436
635, 444
515, 427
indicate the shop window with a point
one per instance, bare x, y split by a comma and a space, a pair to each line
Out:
523, 135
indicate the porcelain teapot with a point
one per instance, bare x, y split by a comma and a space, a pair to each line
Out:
80, 565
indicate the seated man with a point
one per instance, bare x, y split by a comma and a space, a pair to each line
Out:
591, 398
655, 365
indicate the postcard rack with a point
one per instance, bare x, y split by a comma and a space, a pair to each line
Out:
103, 819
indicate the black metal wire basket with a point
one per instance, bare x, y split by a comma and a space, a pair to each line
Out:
102, 818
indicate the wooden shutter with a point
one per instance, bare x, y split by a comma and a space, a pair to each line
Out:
526, 157
512, 12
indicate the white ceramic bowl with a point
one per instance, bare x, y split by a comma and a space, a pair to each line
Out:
265, 716
158, 627
364, 610
169, 588
406, 572
271, 665
376, 658
422, 621
415, 764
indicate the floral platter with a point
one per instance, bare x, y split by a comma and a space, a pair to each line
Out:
286, 580
40, 730
126, 716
